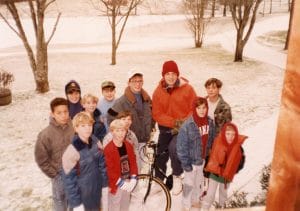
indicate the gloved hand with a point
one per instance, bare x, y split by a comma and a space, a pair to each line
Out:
132, 184
177, 125
104, 199
79, 208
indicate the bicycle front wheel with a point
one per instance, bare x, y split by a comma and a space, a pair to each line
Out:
159, 198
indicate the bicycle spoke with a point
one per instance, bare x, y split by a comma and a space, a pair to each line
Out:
158, 198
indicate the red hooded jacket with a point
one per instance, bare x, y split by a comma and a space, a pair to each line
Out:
225, 158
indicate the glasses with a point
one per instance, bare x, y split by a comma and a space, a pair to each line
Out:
137, 81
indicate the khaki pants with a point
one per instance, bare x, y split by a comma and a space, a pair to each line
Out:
209, 198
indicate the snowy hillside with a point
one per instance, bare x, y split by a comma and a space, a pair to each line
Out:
80, 50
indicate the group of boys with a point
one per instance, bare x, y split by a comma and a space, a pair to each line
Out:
93, 161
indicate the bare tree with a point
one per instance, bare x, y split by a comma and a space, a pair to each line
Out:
290, 25
225, 7
195, 19
243, 14
118, 12
213, 7
39, 59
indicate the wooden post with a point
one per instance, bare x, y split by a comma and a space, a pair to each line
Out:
284, 186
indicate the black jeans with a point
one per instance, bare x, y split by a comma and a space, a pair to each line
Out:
167, 146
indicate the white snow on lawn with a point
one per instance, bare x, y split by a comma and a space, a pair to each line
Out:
80, 50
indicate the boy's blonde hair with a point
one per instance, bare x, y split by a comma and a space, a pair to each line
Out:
89, 96
116, 124
82, 118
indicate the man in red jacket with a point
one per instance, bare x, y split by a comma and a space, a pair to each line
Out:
172, 103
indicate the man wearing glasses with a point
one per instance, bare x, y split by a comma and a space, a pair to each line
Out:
137, 101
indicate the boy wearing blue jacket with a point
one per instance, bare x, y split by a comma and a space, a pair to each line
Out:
84, 170
194, 141
89, 103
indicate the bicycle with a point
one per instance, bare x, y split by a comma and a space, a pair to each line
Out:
150, 192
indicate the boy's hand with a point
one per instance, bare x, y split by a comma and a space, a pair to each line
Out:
132, 184
177, 125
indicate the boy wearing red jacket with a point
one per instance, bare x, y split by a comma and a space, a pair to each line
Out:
121, 167
223, 163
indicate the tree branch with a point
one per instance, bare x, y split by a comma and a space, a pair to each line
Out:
54, 28
9, 25
232, 7
33, 16
50, 2
253, 19
130, 8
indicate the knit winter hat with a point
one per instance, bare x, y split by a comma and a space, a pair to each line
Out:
170, 66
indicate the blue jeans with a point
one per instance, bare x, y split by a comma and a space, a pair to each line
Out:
58, 194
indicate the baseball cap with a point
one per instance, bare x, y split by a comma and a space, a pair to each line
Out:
72, 86
106, 84
132, 74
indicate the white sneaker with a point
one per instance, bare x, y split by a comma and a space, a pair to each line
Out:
177, 185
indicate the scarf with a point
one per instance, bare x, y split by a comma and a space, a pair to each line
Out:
202, 123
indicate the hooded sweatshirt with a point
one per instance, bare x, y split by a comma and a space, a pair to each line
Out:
225, 158
74, 108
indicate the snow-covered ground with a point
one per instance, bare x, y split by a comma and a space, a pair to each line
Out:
80, 50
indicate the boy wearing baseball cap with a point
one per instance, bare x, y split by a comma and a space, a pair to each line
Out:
73, 93
107, 100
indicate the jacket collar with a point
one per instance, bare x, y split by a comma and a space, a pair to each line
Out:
130, 96
55, 124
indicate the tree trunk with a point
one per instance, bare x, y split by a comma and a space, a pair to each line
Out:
224, 9
290, 25
41, 76
114, 42
238, 57
263, 14
198, 44
213, 8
